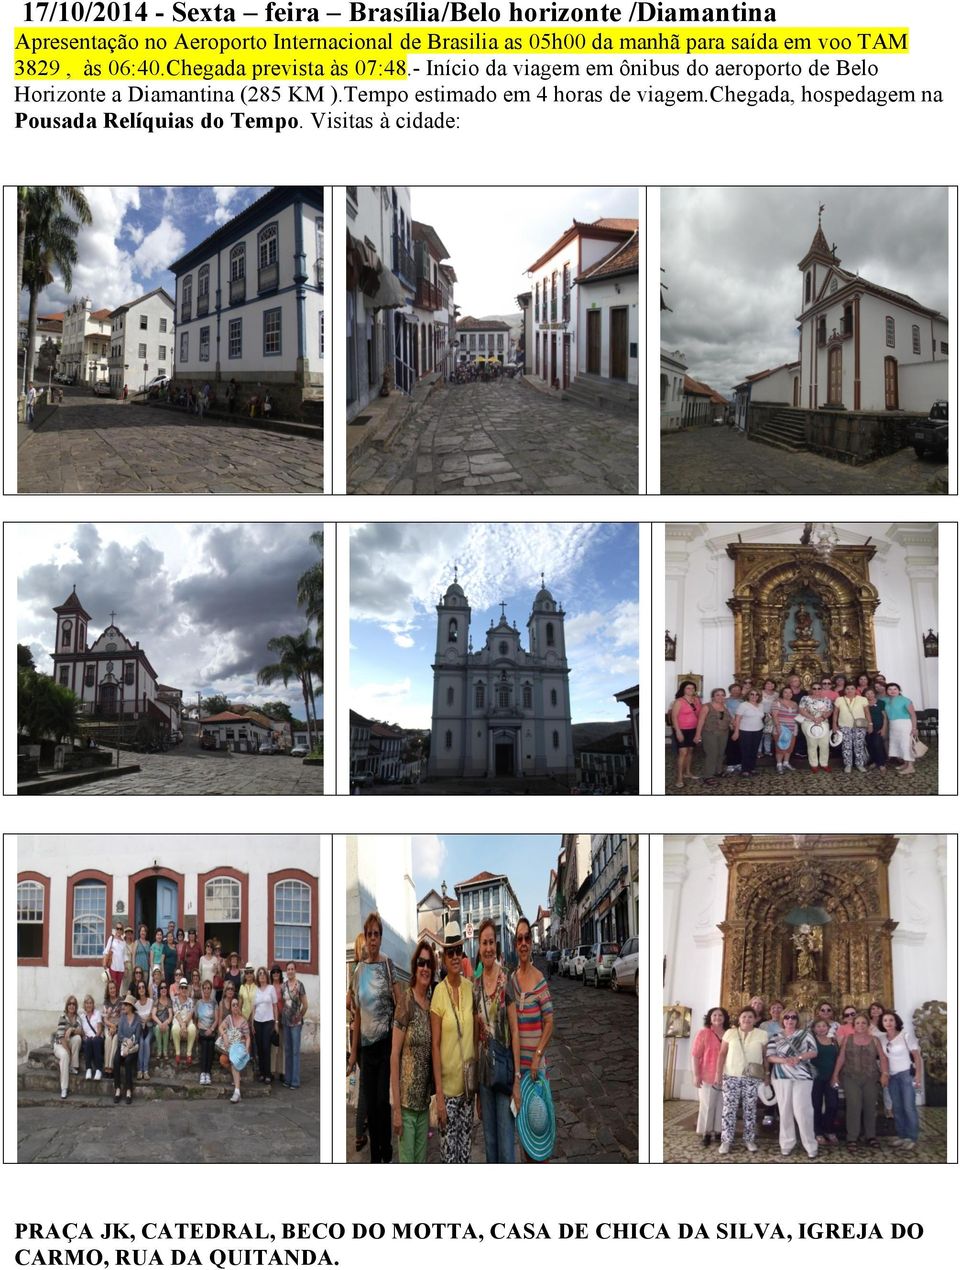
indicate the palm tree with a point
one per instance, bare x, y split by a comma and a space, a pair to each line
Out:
298, 657
49, 241
310, 587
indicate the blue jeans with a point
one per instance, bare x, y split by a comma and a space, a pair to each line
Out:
904, 1097
143, 1053
291, 1056
497, 1126
826, 1102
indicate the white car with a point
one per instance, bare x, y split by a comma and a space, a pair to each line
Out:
299, 751
577, 959
625, 971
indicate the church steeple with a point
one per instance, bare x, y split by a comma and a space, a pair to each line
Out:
453, 621
820, 256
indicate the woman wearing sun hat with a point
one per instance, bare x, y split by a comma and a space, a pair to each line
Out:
454, 1059
534, 1012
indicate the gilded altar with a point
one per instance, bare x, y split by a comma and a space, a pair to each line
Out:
844, 954
797, 611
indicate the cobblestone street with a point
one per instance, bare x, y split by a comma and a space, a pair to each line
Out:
95, 445
723, 461
193, 771
593, 1060
503, 438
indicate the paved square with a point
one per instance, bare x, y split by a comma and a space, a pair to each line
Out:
192, 771
503, 438
95, 445
724, 461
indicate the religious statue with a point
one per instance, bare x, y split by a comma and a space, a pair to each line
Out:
802, 622
808, 941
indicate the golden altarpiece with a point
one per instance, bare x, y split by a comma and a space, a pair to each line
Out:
807, 918
798, 610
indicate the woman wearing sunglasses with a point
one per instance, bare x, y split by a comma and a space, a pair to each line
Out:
496, 1022
790, 1055
454, 1057
534, 1014
376, 995
411, 1059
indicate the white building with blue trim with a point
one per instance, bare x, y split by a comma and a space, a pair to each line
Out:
249, 302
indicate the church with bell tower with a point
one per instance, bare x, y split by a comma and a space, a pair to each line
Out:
504, 710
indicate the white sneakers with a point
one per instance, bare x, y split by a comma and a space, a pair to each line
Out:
724, 1148
751, 1147
63, 1094
205, 1078
98, 1074
236, 1096
89, 1075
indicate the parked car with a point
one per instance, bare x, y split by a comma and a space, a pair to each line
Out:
931, 435
625, 971
299, 751
577, 960
269, 747
598, 963
563, 965
102, 388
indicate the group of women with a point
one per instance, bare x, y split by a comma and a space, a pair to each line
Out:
446, 1046
868, 721
256, 1014
868, 1054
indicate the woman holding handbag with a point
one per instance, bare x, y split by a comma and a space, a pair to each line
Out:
496, 1021
742, 1060
851, 713
129, 1031
533, 1011
411, 1077
454, 1061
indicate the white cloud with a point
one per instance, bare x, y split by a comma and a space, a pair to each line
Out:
429, 857
403, 641
223, 197
161, 246
135, 232
391, 702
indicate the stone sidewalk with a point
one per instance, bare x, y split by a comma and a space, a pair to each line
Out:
95, 445
185, 771
724, 461
502, 438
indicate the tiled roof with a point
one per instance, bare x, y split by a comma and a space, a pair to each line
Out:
606, 227
427, 234
480, 877
72, 603
225, 716
618, 222
122, 308
100, 314
763, 374
481, 324
625, 258
696, 389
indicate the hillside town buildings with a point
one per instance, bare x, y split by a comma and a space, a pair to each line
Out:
141, 341
85, 349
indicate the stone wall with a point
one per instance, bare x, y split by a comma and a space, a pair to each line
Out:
848, 435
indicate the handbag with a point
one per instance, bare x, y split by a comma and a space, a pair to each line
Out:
919, 748
498, 1066
754, 1070
469, 1065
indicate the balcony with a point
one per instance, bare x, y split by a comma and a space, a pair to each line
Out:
403, 265
185, 310
203, 305
238, 290
553, 309
429, 295
268, 278
566, 307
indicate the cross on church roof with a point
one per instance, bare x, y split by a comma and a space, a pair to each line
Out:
820, 211
113, 614
503, 605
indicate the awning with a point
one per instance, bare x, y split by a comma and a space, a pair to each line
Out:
363, 266
390, 294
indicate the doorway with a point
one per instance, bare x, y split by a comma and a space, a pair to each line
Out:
222, 913
503, 758
108, 698
593, 341
156, 902
835, 377
618, 343
891, 388
566, 361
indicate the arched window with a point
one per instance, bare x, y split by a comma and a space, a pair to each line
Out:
550, 640
267, 246
553, 696
807, 285
222, 904
478, 695
186, 301
203, 290
89, 920
32, 940
556, 740
238, 261
448, 739
292, 906
449, 696
890, 330
66, 630
527, 696
452, 631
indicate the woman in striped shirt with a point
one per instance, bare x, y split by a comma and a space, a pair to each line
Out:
534, 1014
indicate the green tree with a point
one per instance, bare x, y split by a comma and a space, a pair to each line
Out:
71, 196
25, 657
278, 710
50, 242
298, 657
310, 589
215, 704
45, 710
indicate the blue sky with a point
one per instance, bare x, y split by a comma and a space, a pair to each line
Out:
137, 232
399, 571
525, 858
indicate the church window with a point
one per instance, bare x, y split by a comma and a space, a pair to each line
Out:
65, 634
821, 330
848, 319
503, 647
478, 696
448, 739
553, 696
452, 631
891, 332
833, 286
64, 676
556, 740
916, 341
111, 648
31, 912
807, 286
88, 677
527, 697
128, 674
550, 639
449, 696
503, 695
88, 924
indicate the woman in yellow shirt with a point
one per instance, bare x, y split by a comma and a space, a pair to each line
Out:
454, 1061
851, 713
742, 1060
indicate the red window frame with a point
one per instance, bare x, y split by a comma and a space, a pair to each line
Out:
42, 880
244, 879
95, 875
297, 875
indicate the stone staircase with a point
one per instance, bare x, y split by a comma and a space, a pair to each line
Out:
38, 1083
612, 396
784, 431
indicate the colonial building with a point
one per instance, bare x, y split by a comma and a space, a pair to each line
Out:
489, 895
778, 386
86, 342
431, 303
47, 344
672, 374
609, 294
141, 341
379, 878
112, 677
863, 346
559, 337
258, 895
242, 732
484, 337
503, 710
249, 302
612, 908
359, 746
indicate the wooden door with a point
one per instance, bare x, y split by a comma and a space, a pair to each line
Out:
618, 343
891, 390
593, 341
566, 361
553, 360
835, 377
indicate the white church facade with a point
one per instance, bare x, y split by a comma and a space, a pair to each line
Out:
503, 711
863, 346
112, 677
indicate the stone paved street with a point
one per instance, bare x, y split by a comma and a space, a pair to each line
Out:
593, 1060
803, 781
95, 445
192, 771
723, 461
283, 1128
502, 438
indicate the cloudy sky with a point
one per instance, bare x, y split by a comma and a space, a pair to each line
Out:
452, 858
731, 255
202, 599
137, 232
399, 571
493, 235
